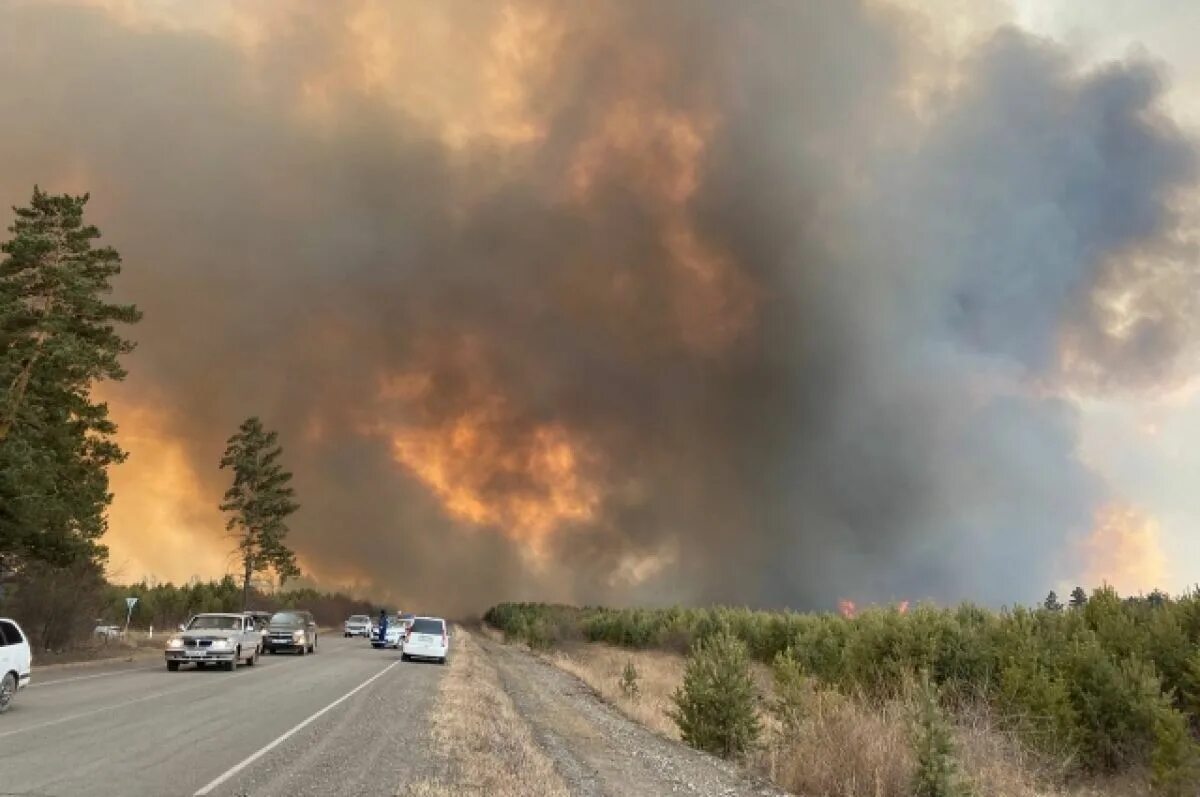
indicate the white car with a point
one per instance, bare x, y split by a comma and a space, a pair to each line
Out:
216, 638
427, 638
16, 661
107, 632
358, 625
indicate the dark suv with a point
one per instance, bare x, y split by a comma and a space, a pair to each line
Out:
291, 629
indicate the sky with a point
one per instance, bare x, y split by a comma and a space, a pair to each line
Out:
774, 304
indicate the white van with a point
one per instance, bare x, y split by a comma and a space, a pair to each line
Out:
16, 660
426, 638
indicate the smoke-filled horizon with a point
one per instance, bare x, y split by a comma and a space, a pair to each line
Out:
765, 304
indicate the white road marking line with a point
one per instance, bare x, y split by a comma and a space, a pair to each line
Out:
207, 789
207, 684
36, 684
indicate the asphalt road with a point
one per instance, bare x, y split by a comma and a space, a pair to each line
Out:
347, 721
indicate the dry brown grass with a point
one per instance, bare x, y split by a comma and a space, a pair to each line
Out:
659, 673
842, 748
476, 728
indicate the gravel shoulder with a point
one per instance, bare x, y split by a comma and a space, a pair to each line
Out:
598, 751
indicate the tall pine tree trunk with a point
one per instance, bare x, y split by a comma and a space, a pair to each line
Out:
246, 587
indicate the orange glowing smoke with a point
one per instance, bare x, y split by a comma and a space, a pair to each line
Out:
486, 467
163, 522
1124, 551
847, 608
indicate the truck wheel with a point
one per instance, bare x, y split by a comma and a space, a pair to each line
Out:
172, 666
232, 664
250, 662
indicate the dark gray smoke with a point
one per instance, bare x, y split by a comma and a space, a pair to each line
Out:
856, 387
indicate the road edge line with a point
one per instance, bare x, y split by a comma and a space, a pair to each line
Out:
236, 768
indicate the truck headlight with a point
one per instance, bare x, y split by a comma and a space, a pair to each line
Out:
175, 642
221, 644
298, 636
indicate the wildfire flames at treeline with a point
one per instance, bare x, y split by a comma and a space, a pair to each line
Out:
767, 303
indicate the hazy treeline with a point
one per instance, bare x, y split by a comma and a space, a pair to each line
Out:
60, 607
1108, 685
167, 605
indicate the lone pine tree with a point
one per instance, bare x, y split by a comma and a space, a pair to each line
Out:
259, 502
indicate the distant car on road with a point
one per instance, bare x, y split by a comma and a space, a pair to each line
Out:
358, 625
396, 630
107, 632
381, 632
427, 638
294, 630
216, 638
16, 662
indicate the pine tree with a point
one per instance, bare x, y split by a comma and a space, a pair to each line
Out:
1051, 603
1079, 598
260, 501
715, 705
937, 772
57, 338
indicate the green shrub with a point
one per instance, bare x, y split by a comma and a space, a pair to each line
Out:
629, 681
937, 773
715, 705
1173, 765
794, 691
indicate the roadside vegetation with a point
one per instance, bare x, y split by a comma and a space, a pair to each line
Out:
1103, 693
484, 746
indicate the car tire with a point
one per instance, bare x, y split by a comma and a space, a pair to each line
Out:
300, 651
8, 690
250, 662
442, 660
404, 657
232, 664
172, 666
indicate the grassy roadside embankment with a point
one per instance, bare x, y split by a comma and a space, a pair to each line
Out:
486, 749
1038, 702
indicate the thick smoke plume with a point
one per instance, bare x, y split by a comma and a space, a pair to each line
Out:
619, 301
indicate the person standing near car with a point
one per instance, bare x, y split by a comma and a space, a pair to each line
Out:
383, 625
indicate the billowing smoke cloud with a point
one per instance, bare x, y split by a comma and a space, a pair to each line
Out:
679, 301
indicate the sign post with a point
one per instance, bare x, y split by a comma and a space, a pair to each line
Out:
129, 604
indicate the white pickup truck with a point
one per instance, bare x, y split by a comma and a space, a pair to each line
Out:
225, 639
16, 661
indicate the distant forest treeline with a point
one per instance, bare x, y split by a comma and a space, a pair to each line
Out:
59, 607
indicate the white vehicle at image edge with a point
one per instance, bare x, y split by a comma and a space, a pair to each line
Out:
16, 661
224, 639
427, 638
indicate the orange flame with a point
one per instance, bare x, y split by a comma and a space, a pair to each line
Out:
847, 608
